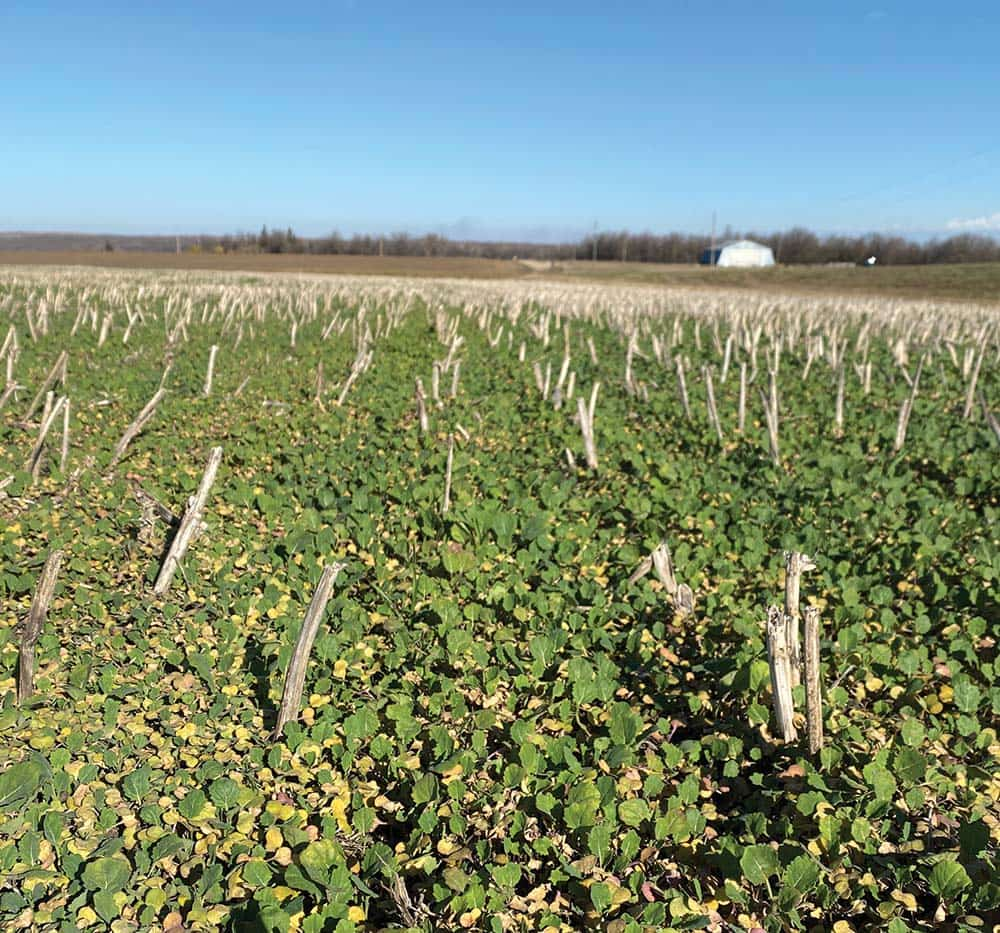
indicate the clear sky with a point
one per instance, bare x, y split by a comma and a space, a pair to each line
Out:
502, 120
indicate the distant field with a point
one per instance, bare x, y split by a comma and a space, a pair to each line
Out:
275, 262
968, 282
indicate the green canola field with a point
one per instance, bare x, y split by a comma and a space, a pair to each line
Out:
504, 726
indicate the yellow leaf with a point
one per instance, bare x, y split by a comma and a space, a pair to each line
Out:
281, 811
904, 898
338, 807
620, 896
187, 730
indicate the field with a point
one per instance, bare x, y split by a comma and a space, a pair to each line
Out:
966, 282
979, 282
554, 518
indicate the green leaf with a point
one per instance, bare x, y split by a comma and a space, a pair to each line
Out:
600, 896
456, 879
633, 812
581, 805
881, 781
106, 874
861, 830
599, 842
168, 845
967, 695
52, 826
361, 725
136, 784
457, 560
801, 874
425, 789
192, 805
294, 878
507, 876
225, 793
542, 649
910, 766
545, 802
948, 879
275, 920
19, 784
319, 858
759, 863
104, 904
625, 725
912, 732
256, 873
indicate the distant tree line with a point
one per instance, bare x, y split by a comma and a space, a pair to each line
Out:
795, 246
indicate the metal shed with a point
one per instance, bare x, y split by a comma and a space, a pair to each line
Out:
740, 254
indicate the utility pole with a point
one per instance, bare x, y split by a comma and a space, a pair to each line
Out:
712, 254
594, 256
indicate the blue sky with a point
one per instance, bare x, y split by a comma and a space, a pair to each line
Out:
517, 120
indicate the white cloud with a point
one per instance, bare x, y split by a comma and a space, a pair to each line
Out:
986, 222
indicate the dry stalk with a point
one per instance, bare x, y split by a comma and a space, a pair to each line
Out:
56, 373
586, 420
795, 565
682, 387
295, 676
33, 626
741, 410
133, 430
446, 503
190, 525
970, 394
814, 702
713, 412
779, 663
206, 389
425, 424
34, 462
